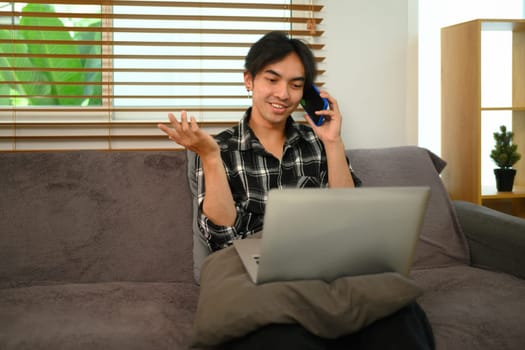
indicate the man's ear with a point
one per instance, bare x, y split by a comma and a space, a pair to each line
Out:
248, 81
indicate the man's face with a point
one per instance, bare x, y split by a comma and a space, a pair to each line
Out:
277, 90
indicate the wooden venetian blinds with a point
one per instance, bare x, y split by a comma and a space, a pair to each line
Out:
101, 74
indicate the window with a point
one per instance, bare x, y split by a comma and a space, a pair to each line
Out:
101, 74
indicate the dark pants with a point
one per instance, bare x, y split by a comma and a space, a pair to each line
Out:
406, 329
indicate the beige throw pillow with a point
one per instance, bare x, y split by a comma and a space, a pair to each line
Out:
230, 305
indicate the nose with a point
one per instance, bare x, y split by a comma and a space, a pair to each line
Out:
282, 91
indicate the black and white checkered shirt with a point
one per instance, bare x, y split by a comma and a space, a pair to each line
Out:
252, 172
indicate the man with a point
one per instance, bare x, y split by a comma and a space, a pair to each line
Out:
267, 149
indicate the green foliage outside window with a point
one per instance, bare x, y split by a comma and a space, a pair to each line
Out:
40, 86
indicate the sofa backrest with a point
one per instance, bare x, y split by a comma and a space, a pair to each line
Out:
84, 216
441, 241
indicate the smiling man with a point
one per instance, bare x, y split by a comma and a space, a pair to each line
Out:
268, 149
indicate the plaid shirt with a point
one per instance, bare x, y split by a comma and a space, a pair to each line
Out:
252, 172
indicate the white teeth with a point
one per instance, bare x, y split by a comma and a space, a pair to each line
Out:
277, 106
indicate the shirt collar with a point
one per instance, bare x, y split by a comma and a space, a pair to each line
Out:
247, 140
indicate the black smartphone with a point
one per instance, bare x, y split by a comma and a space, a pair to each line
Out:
312, 102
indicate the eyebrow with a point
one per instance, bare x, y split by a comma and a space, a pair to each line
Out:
271, 71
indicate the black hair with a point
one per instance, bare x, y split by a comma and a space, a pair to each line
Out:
273, 47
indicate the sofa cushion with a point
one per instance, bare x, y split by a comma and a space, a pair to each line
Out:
200, 247
83, 216
473, 309
98, 316
441, 241
231, 305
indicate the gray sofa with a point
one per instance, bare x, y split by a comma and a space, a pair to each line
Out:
98, 251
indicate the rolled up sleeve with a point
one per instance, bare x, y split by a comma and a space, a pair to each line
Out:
218, 236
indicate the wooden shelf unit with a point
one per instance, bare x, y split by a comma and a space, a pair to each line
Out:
462, 108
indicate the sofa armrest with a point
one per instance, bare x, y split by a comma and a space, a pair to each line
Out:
496, 239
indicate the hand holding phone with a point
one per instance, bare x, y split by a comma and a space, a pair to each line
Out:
312, 102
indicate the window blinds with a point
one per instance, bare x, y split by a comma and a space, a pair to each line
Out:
102, 74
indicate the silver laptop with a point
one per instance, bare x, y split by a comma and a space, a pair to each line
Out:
329, 233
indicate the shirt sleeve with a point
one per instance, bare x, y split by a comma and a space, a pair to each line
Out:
218, 236
357, 181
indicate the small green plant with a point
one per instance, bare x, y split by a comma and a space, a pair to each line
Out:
504, 153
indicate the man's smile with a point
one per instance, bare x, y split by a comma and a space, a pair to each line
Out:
278, 106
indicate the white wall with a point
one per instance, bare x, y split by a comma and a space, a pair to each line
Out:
371, 49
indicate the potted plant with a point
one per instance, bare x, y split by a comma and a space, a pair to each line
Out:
505, 155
